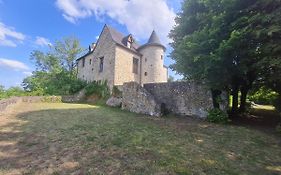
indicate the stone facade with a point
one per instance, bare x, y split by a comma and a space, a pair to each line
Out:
89, 66
124, 66
120, 53
182, 98
152, 65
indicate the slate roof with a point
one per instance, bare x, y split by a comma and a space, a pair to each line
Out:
153, 40
120, 39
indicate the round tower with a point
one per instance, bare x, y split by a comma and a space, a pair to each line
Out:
152, 66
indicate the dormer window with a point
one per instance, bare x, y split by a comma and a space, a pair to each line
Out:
129, 45
130, 41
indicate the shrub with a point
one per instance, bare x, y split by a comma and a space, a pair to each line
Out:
77, 85
99, 88
217, 116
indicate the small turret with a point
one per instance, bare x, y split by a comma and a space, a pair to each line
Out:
153, 69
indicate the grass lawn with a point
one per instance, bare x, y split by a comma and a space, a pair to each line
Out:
44, 138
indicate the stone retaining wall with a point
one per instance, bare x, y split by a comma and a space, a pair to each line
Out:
183, 98
7, 102
137, 99
78, 97
28, 99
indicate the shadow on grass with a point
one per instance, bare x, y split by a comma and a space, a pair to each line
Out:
109, 141
261, 119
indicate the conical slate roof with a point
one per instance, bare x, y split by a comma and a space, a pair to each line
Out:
154, 39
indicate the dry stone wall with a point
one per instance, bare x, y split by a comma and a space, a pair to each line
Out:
184, 98
137, 99
27, 99
7, 102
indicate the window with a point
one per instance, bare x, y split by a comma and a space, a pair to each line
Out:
83, 62
135, 65
145, 74
161, 57
101, 64
90, 61
145, 59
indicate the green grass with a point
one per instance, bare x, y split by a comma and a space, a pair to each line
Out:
84, 139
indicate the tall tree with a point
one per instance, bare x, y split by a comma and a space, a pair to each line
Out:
55, 69
67, 51
61, 56
223, 42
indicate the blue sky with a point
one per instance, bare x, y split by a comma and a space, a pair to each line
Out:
33, 24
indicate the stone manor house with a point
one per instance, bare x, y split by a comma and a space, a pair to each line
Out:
119, 59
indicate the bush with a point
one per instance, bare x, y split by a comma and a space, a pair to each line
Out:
99, 88
263, 96
217, 116
77, 85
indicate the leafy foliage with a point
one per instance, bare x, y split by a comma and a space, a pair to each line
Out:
53, 83
263, 96
229, 45
217, 116
12, 91
99, 88
55, 70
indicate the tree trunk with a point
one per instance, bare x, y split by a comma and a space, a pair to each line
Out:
235, 91
215, 97
244, 92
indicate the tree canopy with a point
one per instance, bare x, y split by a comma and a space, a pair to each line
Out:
229, 44
55, 69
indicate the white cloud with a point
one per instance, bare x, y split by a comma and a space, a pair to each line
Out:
13, 64
41, 41
9, 37
138, 16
